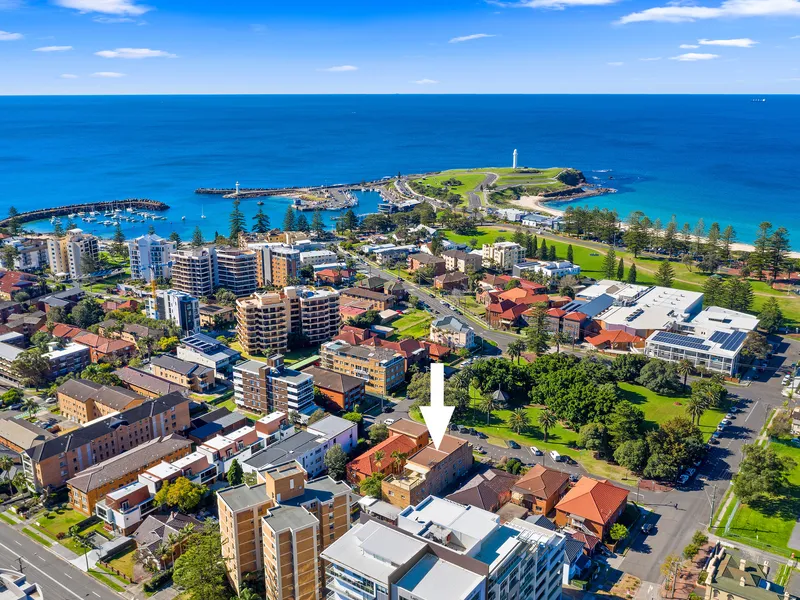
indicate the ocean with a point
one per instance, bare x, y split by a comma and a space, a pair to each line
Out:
719, 158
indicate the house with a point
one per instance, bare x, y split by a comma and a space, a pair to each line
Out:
488, 490
540, 489
592, 506
128, 305
421, 259
157, 531
65, 299
147, 384
19, 435
100, 348
413, 351
520, 295
732, 576
451, 281
505, 314
376, 284
340, 389
396, 288
407, 437
551, 269
373, 300
333, 276
355, 336
216, 422
618, 339
13, 282
26, 323
452, 332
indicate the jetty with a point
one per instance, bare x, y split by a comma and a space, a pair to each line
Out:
61, 211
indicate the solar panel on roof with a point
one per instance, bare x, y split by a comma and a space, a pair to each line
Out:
719, 337
734, 341
685, 341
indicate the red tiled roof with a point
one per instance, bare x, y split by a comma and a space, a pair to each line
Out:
619, 336
556, 312
514, 312
587, 539
594, 500
576, 316
405, 347
502, 306
62, 330
351, 311
436, 351
365, 464
102, 344
12, 282
542, 482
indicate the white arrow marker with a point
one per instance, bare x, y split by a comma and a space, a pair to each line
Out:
437, 416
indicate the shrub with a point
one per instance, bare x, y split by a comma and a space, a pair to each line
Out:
158, 580
60, 535
701, 578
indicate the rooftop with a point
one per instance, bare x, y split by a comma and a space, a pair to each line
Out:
284, 516
433, 579
594, 500
541, 482
288, 448
330, 380
112, 396
243, 496
331, 426
177, 365
148, 381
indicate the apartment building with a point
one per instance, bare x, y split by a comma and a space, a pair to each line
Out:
69, 359
281, 525
428, 472
91, 485
68, 255
236, 270
31, 253
442, 550
212, 315
270, 386
82, 400
194, 271
458, 260
370, 299
205, 350
382, 369
177, 307
197, 378
149, 257
147, 384
265, 321
502, 255
318, 257
276, 264
55, 461
452, 332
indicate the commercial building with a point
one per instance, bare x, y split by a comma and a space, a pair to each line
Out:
428, 472
194, 271
197, 378
270, 386
276, 264
82, 400
718, 351
281, 525
464, 262
177, 307
236, 270
382, 369
55, 461
502, 255
150, 257
91, 485
452, 332
205, 350
147, 384
69, 255
342, 390
591, 506
442, 550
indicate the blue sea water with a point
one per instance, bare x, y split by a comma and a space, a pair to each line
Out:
720, 158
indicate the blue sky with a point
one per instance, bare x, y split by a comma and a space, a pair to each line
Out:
399, 46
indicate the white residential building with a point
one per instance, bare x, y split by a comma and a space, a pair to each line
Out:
552, 269
150, 257
177, 307
68, 255
318, 257
452, 332
502, 255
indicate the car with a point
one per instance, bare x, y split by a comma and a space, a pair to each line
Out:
721, 426
482, 435
535, 451
574, 477
472, 431
463, 429
729, 416
480, 450
734, 409
51, 400
388, 422
453, 427
569, 460
714, 440
555, 456
698, 462
647, 528
691, 471
16, 406
715, 435
388, 409
512, 444
795, 441
683, 479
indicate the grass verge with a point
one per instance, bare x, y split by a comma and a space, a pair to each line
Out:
36, 537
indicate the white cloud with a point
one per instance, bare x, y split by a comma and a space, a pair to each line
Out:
688, 46
795, 37
53, 49
109, 7
680, 13
694, 56
7, 36
425, 82
650, 59
554, 4
108, 20
469, 38
615, 64
134, 53
68, 76
108, 74
341, 69
735, 43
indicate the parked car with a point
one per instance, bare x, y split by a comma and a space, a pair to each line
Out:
453, 427
463, 429
730, 416
569, 460
512, 444
16, 406
480, 450
683, 479
388, 421
691, 471
482, 435
555, 456
647, 528
574, 477
721, 426
795, 441
535, 451
51, 400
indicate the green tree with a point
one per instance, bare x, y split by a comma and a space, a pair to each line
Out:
336, 462
621, 270
518, 421
261, 221
660, 377
593, 436
86, 313
665, 275
317, 415
8, 255
543, 250
118, 248
301, 223
632, 455
728, 238
235, 473
738, 294
684, 368
58, 228
515, 350
632, 274
371, 486
695, 408
610, 264
755, 345
676, 444
377, 433
31, 368
6, 464
714, 292
175, 237
628, 367
349, 220
570, 255
758, 260
289, 220
181, 494
318, 224
762, 473
547, 420
625, 423
237, 222
200, 570
197, 237
537, 334
778, 251
488, 406
618, 532
771, 316
636, 237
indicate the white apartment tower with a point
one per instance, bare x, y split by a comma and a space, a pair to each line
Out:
150, 256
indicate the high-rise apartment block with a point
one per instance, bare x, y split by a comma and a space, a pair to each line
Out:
150, 257
276, 263
236, 270
193, 271
175, 306
502, 255
282, 525
69, 255
270, 386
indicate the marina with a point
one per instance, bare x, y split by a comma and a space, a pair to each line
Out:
92, 212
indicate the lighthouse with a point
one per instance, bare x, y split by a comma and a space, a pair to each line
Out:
514, 164
237, 183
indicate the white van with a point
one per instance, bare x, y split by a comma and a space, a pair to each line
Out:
555, 456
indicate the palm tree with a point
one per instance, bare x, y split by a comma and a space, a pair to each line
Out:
515, 350
561, 338
397, 457
30, 406
6, 464
488, 406
378, 457
20, 482
172, 540
547, 420
684, 368
695, 407
518, 420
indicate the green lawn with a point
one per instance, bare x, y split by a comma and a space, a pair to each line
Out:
36, 537
231, 406
469, 180
104, 578
58, 521
6, 519
768, 525
124, 562
294, 356
415, 324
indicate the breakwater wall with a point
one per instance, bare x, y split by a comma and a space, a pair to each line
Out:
60, 211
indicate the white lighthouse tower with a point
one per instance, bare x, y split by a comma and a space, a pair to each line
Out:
514, 164
237, 183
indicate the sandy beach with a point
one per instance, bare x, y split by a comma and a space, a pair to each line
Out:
539, 204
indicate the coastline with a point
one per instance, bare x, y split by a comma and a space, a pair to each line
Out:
539, 203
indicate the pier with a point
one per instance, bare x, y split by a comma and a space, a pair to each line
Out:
61, 211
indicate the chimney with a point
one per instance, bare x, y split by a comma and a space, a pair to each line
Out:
741, 582
766, 568
742, 564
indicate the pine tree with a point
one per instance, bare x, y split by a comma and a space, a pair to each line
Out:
759, 258
570, 255
621, 270
535, 245
778, 251
728, 238
349, 220
70, 224
288, 220
632, 274
117, 241
713, 292
174, 237
302, 223
318, 224
237, 222
543, 250
551, 255
197, 237
58, 228
665, 274
151, 230
262, 221
610, 264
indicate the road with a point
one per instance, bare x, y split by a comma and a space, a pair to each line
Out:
474, 199
58, 579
